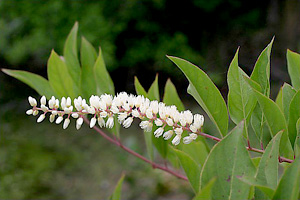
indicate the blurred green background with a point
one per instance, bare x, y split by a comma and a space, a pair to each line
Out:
43, 161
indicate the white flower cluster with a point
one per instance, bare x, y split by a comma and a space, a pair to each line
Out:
126, 107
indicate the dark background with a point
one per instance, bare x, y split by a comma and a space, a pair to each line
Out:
43, 161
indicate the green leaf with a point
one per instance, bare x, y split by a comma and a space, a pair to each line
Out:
197, 150
267, 172
276, 122
261, 71
228, 161
59, 77
88, 58
70, 55
297, 141
148, 136
293, 62
36, 82
264, 192
294, 115
289, 184
241, 100
279, 100
102, 77
139, 88
171, 96
191, 169
153, 92
206, 93
118, 189
288, 93
206, 191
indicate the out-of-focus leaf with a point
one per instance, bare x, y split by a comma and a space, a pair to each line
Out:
206, 192
118, 189
71, 55
288, 93
241, 100
36, 82
289, 185
276, 122
171, 96
297, 141
59, 77
102, 77
228, 161
261, 71
206, 93
267, 172
88, 57
294, 115
191, 169
293, 62
148, 136
153, 92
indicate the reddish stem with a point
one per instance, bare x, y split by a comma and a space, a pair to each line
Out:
118, 143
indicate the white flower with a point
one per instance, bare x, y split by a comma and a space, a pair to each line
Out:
79, 122
193, 128
54, 112
122, 117
169, 122
107, 99
52, 118
190, 138
198, 120
44, 108
35, 113
158, 122
167, 135
59, 119
41, 118
66, 123
101, 122
176, 140
103, 114
51, 102
114, 109
178, 131
149, 113
110, 122
75, 115
93, 122
146, 126
135, 113
63, 103
154, 106
158, 132
127, 122
43, 100
32, 101
29, 112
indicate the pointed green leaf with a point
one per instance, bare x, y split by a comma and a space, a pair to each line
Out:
59, 77
88, 57
293, 62
171, 96
276, 122
267, 172
36, 82
153, 92
228, 161
71, 55
297, 141
206, 93
118, 189
197, 150
294, 115
241, 100
191, 169
289, 184
102, 77
264, 192
139, 88
261, 71
206, 191
288, 93
279, 100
